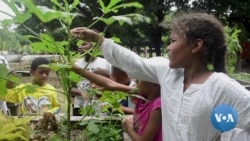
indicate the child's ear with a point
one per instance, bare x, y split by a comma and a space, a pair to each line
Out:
197, 46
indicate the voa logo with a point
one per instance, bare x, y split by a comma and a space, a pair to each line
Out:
224, 117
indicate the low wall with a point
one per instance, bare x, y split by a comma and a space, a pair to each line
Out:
18, 58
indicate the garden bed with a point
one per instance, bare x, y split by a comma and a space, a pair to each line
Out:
78, 127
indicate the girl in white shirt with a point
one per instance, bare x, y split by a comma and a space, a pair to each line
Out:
190, 91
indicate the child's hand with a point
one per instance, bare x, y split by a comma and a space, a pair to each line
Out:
133, 99
128, 124
10, 84
86, 34
48, 122
84, 95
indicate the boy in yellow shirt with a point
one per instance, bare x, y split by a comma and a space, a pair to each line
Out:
36, 97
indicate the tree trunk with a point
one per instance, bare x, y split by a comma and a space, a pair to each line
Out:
156, 42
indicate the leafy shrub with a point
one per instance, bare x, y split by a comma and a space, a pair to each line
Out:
14, 129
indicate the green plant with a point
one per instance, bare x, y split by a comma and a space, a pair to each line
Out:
241, 76
101, 131
14, 129
45, 42
109, 128
233, 49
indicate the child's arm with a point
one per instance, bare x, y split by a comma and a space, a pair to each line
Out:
12, 95
78, 92
12, 92
127, 110
102, 81
153, 125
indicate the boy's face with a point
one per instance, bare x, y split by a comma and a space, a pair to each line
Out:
41, 75
84, 47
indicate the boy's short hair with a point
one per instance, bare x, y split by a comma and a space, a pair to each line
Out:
37, 62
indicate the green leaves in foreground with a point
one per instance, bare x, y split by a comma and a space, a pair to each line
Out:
4, 77
14, 128
114, 6
103, 132
128, 18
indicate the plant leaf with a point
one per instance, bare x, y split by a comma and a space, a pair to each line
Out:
93, 127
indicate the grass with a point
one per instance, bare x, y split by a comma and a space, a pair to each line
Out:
241, 76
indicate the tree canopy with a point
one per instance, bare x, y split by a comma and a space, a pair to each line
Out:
142, 34
10, 41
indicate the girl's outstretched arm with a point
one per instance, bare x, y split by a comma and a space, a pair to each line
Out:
102, 81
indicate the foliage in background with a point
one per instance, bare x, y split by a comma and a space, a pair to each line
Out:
233, 48
10, 41
142, 34
242, 76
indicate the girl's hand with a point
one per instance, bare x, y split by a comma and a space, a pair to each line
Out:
133, 99
86, 34
85, 96
128, 124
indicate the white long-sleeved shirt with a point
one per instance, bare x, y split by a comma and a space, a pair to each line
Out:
3, 106
4, 61
92, 66
186, 115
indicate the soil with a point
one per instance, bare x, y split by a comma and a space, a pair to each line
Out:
76, 135
48, 128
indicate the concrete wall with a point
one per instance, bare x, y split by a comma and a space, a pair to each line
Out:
16, 58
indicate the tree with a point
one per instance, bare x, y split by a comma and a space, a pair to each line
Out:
149, 36
231, 12
144, 34
139, 34
11, 41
